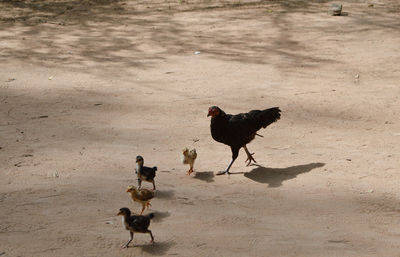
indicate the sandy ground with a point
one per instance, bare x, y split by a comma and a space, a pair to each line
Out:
85, 86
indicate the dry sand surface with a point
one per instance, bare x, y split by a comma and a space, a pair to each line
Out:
85, 86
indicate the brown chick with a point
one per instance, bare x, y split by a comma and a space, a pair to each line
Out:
188, 157
142, 196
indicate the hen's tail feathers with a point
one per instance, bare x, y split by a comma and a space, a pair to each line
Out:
150, 215
268, 116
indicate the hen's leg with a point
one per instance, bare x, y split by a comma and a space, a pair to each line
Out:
249, 156
235, 154
127, 244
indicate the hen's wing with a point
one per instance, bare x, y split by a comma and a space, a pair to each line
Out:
265, 117
242, 128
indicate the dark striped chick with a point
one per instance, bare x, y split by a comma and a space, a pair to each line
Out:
145, 173
135, 223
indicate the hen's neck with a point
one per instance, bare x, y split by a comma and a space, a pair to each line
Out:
219, 120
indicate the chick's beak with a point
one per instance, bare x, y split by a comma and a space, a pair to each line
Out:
119, 213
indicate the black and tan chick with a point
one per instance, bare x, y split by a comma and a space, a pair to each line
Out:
142, 196
145, 173
135, 223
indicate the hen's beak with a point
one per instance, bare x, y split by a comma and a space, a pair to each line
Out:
209, 114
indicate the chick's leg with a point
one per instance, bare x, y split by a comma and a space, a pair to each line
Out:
139, 183
148, 205
249, 156
151, 235
154, 185
127, 244
235, 154
191, 169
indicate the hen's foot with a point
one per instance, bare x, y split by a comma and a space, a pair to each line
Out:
250, 159
249, 156
223, 172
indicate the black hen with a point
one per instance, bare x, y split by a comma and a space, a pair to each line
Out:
240, 129
145, 173
135, 223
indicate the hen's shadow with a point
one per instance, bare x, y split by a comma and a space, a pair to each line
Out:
207, 176
275, 176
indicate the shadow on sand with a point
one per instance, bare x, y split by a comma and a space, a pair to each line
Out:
160, 215
157, 248
207, 176
165, 194
275, 176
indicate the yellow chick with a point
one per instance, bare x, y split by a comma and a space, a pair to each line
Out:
188, 157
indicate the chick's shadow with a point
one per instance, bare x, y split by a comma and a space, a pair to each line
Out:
157, 248
160, 215
165, 194
274, 177
207, 176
